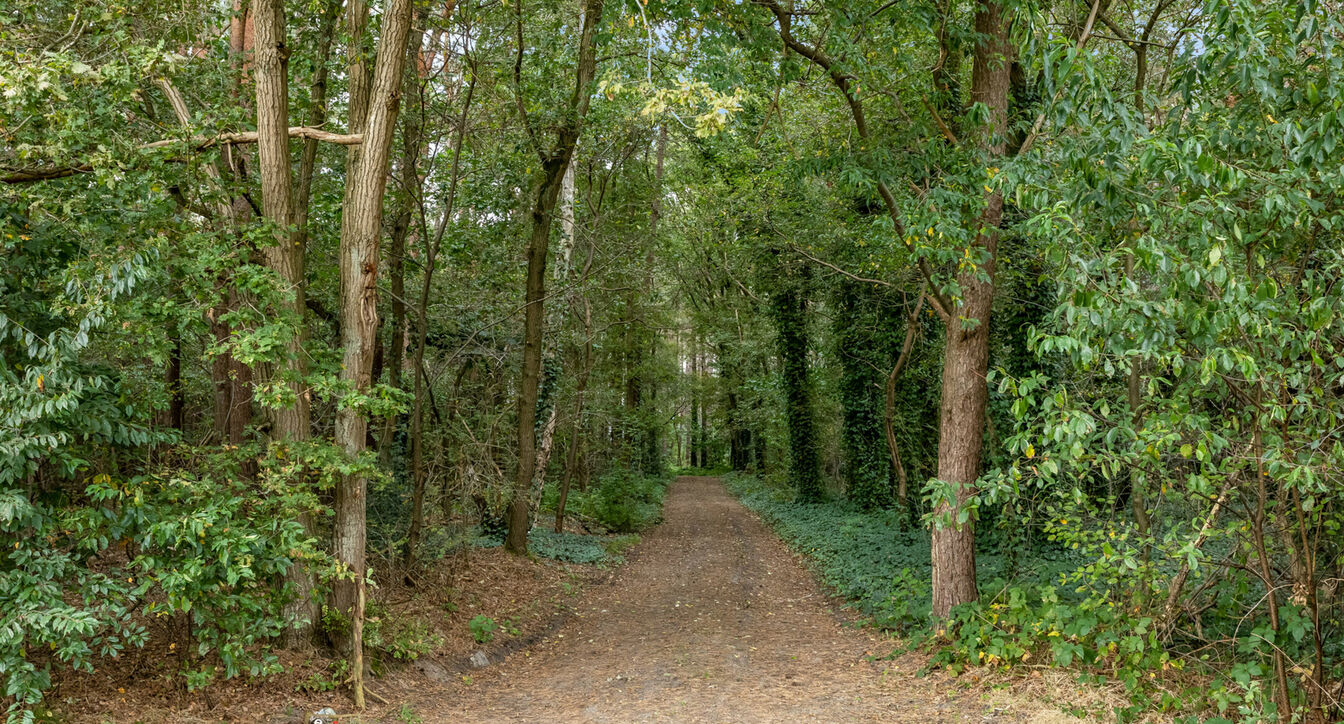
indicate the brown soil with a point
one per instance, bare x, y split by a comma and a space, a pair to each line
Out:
713, 620
531, 596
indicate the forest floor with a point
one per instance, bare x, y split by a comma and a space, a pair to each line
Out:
714, 620
710, 619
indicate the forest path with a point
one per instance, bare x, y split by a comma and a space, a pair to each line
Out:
711, 620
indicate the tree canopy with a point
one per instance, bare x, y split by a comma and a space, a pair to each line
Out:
298, 298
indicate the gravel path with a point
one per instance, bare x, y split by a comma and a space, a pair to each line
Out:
712, 620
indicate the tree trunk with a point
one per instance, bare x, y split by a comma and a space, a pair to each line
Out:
232, 380
174, 417
422, 334
285, 257
545, 193
790, 311
889, 407
361, 221
317, 116
576, 426
412, 147
966, 351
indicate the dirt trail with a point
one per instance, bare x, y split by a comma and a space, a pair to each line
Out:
712, 620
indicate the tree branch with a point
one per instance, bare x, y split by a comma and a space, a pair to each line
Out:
842, 82
196, 143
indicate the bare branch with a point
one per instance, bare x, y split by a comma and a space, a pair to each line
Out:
196, 143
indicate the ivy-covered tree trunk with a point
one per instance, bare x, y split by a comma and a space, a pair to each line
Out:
862, 349
789, 306
966, 351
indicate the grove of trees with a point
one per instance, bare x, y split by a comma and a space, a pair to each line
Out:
300, 296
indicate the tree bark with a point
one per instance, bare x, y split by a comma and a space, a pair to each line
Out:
233, 379
966, 352
361, 221
889, 407
285, 257
317, 116
409, 181
545, 193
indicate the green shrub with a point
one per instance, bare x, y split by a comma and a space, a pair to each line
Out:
621, 500
567, 547
572, 547
626, 502
482, 628
402, 638
80, 577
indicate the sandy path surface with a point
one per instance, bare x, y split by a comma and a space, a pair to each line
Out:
712, 620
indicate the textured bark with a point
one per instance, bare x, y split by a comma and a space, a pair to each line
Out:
409, 181
286, 258
545, 193
966, 351
361, 221
232, 380
581, 356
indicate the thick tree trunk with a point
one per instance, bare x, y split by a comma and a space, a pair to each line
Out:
361, 222
544, 197
285, 257
966, 352
409, 181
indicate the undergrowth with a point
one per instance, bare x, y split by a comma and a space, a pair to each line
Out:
881, 565
621, 501
873, 559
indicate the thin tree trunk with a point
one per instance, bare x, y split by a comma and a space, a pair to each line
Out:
317, 116
576, 425
966, 352
361, 221
889, 408
418, 473
412, 139
232, 380
1266, 571
546, 191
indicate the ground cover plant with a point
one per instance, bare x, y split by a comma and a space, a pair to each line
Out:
1025, 317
